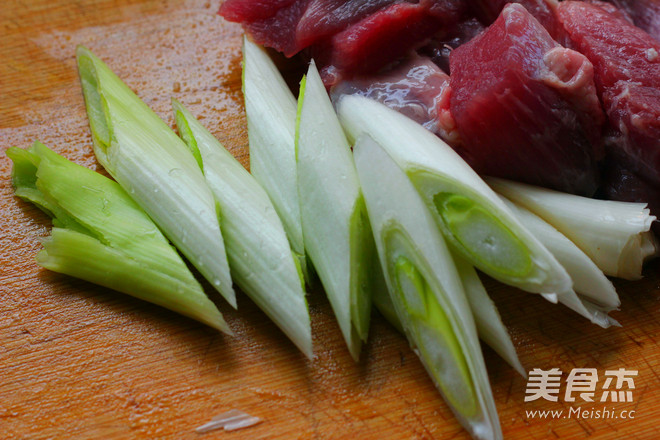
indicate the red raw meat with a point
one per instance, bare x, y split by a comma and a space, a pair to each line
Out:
274, 27
290, 26
247, 11
543, 10
627, 72
324, 18
417, 88
644, 13
611, 8
526, 108
440, 47
383, 37
345, 37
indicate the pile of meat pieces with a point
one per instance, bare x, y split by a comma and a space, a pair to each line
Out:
564, 95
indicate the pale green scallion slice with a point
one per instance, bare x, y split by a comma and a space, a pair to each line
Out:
615, 235
101, 235
471, 216
337, 234
490, 327
270, 108
156, 168
426, 289
592, 295
260, 258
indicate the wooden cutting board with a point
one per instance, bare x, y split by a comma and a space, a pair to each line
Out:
79, 361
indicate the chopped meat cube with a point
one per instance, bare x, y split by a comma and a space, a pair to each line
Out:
383, 37
345, 38
324, 18
543, 10
644, 13
417, 88
627, 72
525, 107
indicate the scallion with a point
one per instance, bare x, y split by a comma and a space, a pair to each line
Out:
337, 234
473, 219
271, 109
101, 235
426, 289
156, 169
260, 258
615, 235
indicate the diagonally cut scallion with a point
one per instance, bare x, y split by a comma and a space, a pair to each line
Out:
615, 235
471, 216
490, 327
489, 324
338, 238
156, 168
426, 289
260, 258
101, 235
593, 295
270, 108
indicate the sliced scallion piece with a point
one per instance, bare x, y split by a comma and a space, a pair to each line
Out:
101, 235
592, 295
615, 235
270, 108
260, 258
471, 216
156, 168
338, 238
490, 327
426, 289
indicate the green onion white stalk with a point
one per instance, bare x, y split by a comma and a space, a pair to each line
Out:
271, 109
101, 235
426, 289
156, 168
490, 327
592, 295
473, 219
338, 237
260, 257
615, 235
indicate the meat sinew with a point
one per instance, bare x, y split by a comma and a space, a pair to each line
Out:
526, 108
627, 72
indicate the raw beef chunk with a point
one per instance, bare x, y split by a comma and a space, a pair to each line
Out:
627, 73
525, 107
345, 37
543, 10
383, 37
289, 26
416, 87
644, 13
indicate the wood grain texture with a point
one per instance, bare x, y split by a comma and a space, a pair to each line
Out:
79, 361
